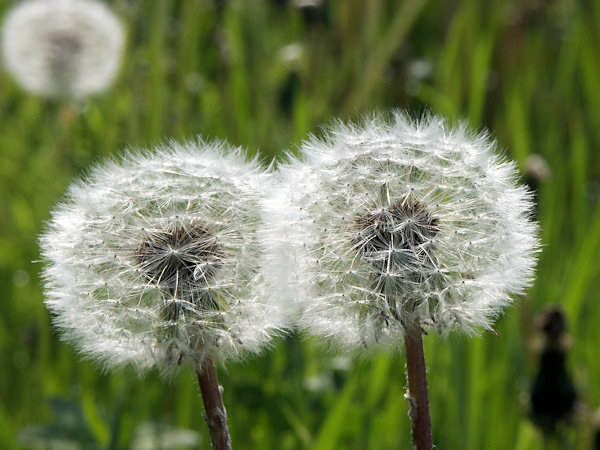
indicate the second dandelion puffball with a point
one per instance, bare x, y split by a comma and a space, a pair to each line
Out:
62, 48
156, 259
394, 222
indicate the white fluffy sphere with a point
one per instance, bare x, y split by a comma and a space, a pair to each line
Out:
62, 47
156, 259
389, 222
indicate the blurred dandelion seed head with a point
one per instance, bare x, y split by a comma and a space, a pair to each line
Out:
156, 259
69, 48
392, 221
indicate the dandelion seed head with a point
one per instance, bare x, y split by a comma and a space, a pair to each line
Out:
395, 220
67, 48
156, 259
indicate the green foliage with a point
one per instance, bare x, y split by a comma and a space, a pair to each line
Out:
527, 71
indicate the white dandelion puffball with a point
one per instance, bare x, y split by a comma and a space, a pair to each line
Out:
398, 222
156, 259
58, 48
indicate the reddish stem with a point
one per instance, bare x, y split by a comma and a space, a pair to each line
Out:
215, 414
417, 396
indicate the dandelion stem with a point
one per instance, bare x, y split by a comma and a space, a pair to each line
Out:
215, 414
417, 396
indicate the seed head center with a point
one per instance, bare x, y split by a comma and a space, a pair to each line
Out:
63, 44
395, 237
180, 257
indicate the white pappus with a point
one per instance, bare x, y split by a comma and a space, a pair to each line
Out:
395, 221
56, 48
155, 259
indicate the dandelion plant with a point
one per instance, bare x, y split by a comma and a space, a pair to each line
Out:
62, 48
397, 227
155, 260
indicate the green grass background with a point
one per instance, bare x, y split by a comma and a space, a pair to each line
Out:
529, 71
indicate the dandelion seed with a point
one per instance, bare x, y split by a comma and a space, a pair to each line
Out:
156, 260
56, 48
408, 220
